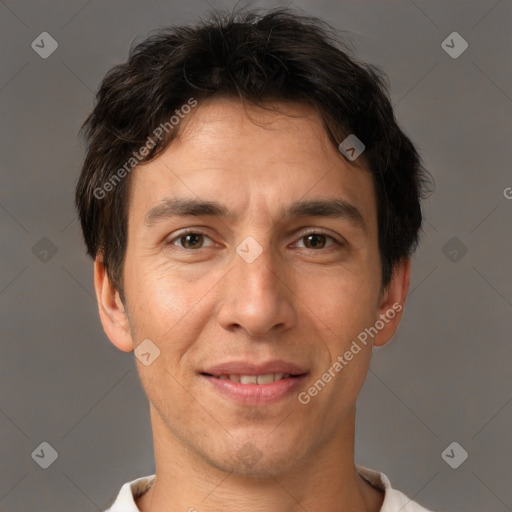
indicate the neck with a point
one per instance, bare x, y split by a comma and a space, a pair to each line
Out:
324, 481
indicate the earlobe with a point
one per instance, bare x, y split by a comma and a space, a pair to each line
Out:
392, 303
111, 309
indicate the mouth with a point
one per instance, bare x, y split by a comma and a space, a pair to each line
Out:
266, 378
255, 384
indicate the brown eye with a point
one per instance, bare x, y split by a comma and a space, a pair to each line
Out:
317, 240
191, 240
314, 241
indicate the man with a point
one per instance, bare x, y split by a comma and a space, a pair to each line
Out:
251, 206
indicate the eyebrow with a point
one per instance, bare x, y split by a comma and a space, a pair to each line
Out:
181, 207
176, 207
335, 208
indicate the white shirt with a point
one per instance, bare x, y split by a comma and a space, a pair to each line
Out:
394, 501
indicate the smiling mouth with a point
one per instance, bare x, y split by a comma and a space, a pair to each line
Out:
267, 378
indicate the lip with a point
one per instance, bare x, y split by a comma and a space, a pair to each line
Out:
256, 394
250, 368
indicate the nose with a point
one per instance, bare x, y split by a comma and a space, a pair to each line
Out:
256, 297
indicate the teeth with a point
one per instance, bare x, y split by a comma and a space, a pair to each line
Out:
265, 379
255, 379
248, 379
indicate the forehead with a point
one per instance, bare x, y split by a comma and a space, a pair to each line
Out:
283, 126
270, 115
251, 155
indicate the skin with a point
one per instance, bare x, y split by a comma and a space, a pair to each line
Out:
297, 302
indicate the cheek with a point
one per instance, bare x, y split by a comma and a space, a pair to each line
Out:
158, 287
343, 308
168, 311
170, 308
344, 303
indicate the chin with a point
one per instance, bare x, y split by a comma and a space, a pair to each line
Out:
259, 462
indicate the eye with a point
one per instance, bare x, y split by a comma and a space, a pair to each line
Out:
191, 240
317, 241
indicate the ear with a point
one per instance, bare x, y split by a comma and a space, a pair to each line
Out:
391, 303
112, 311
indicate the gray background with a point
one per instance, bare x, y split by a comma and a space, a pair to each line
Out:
445, 377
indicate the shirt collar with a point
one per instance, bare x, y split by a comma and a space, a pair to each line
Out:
130, 491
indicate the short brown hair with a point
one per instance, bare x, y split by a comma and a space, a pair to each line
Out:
279, 55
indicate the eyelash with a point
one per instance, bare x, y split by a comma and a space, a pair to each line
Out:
303, 235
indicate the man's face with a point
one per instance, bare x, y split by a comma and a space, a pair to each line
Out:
209, 299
